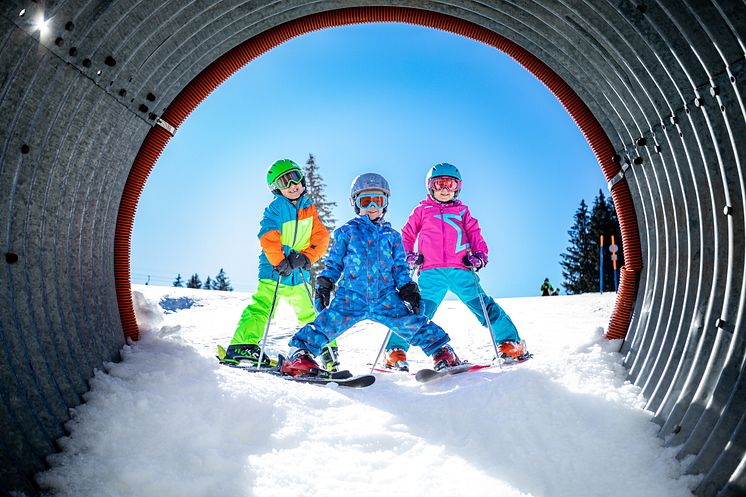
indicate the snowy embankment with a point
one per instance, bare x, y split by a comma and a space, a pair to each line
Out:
168, 421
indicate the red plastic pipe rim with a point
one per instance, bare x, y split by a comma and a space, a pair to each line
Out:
229, 63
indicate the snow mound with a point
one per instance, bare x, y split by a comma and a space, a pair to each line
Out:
169, 421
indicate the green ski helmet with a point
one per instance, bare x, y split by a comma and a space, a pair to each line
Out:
279, 170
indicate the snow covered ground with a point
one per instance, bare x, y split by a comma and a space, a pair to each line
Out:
168, 421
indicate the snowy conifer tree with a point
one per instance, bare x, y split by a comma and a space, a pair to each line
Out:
222, 282
194, 281
315, 191
208, 284
581, 262
577, 266
604, 222
178, 281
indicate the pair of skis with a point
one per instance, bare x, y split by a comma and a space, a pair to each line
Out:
322, 377
427, 375
346, 379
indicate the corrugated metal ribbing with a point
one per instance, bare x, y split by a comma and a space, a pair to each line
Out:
663, 80
225, 66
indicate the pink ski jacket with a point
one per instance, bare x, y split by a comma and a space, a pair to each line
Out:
443, 233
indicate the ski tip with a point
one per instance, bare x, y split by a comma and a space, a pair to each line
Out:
352, 382
355, 381
428, 375
366, 381
425, 375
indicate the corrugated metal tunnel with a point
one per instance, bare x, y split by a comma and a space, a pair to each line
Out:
88, 104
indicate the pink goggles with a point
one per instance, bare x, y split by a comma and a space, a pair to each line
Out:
444, 182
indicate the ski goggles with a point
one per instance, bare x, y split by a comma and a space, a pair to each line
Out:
289, 178
444, 182
367, 201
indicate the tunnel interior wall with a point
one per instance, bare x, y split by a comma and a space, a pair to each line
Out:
665, 80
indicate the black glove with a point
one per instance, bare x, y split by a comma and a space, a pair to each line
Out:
410, 293
298, 260
324, 289
284, 268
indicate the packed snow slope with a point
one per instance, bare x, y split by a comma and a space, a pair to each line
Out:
169, 421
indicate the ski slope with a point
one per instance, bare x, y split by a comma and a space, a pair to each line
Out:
168, 421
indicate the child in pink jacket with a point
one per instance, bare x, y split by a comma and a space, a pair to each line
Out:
449, 247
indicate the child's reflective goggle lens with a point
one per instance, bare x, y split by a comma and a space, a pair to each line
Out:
371, 201
289, 178
441, 182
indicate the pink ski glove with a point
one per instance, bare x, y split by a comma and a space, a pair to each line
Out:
414, 259
477, 260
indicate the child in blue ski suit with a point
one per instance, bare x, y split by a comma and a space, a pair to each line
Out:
449, 247
375, 284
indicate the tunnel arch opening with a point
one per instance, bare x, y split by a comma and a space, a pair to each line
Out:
232, 61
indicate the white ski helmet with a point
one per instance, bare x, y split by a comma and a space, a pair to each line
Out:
366, 182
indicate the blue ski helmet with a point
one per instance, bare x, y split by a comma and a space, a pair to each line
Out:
365, 182
442, 169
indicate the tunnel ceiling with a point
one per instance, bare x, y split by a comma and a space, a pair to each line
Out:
87, 105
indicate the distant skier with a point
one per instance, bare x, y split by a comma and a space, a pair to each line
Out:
375, 284
556, 291
546, 288
292, 238
449, 245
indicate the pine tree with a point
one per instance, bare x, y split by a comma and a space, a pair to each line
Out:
208, 284
577, 267
222, 282
315, 190
194, 282
604, 222
582, 260
178, 281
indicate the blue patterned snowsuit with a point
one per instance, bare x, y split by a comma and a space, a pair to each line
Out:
370, 259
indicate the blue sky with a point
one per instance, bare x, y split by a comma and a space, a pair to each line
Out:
388, 98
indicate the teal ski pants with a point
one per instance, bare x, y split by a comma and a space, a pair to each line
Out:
434, 283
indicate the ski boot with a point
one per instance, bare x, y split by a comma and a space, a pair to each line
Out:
513, 352
445, 357
396, 359
245, 355
300, 363
330, 359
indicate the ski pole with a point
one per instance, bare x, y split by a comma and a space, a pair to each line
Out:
380, 351
388, 333
486, 315
269, 320
310, 297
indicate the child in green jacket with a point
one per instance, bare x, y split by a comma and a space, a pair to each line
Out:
292, 238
